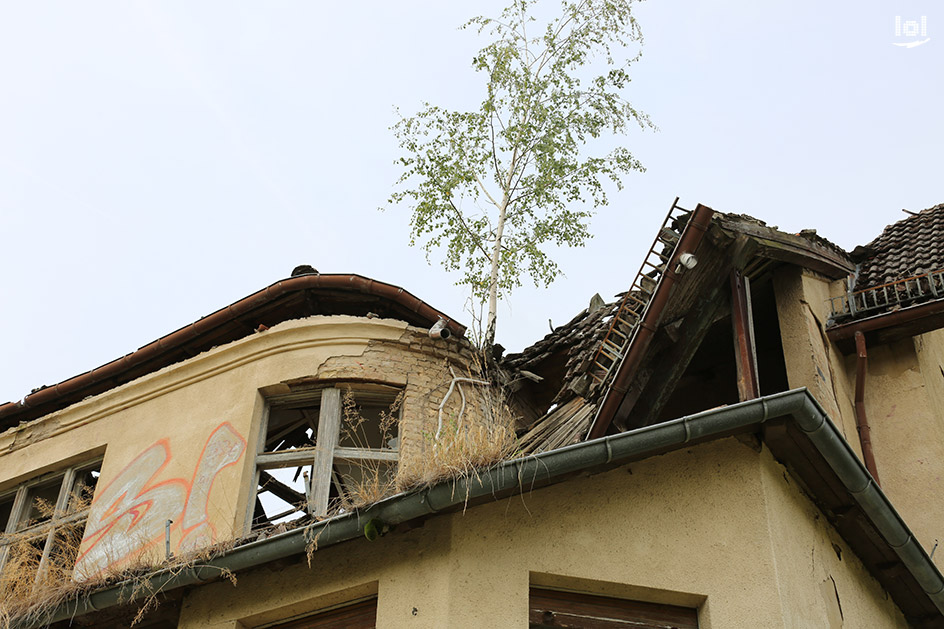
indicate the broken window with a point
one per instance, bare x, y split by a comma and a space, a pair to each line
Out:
43, 522
325, 450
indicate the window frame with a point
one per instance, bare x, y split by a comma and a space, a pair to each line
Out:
60, 518
362, 611
547, 605
326, 453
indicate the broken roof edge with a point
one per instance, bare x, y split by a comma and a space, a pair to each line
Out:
511, 477
806, 248
73, 389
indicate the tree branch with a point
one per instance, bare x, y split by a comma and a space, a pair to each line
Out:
475, 238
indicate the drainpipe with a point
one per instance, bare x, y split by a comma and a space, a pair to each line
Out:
862, 422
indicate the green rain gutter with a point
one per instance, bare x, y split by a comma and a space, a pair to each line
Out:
538, 470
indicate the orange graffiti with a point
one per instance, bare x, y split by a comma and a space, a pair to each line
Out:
129, 515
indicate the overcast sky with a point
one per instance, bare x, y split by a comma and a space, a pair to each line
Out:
160, 160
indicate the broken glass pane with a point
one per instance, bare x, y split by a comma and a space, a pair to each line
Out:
41, 502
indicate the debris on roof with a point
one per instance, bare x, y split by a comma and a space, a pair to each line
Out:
566, 404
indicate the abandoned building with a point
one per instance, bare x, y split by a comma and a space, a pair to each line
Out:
751, 435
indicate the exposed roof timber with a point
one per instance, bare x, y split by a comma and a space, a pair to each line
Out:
795, 249
648, 396
890, 326
691, 237
751, 246
287, 299
792, 424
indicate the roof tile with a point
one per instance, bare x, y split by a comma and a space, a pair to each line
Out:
910, 247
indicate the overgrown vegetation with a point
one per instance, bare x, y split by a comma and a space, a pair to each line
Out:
370, 480
31, 588
476, 435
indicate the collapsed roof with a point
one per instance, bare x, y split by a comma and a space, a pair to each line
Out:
574, 360
570, 360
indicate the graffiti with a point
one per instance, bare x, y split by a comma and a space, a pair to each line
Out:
223, 448
128, 516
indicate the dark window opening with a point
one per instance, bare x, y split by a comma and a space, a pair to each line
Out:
710, 380
770, 362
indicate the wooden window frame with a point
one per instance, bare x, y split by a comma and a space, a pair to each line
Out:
46, 530
323, 456
361, 614
562, 608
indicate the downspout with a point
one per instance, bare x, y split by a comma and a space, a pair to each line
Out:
694, 231
862, 422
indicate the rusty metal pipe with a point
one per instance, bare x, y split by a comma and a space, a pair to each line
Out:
694, 231
862, 422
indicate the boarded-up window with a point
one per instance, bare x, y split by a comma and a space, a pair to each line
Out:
552, 608
362, 615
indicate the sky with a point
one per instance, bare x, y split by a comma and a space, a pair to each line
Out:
161, 160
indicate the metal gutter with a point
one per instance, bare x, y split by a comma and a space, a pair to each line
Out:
523, 474
166, 344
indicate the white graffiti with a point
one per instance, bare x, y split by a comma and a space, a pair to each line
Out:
129, 515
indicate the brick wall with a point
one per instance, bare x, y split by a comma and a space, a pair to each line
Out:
421, 366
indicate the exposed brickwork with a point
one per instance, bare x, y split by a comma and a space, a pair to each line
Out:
421, 366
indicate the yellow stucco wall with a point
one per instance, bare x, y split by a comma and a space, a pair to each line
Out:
904, 396
903, 400
717, 527
179, 444
811, 360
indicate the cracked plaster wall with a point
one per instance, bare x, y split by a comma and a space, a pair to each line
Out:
811, 360
716, 527
904, 397
156, 431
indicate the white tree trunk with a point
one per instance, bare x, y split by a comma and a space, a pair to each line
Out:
493, 277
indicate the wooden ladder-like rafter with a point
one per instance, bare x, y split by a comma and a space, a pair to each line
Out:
632, 307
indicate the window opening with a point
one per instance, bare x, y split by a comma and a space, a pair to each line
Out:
43, 521
324, 450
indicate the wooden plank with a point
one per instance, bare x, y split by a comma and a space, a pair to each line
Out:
671, 364
279, 489
362, 615
352, 455
743, 326
62, 502
552, 608
286, 458
329, 423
